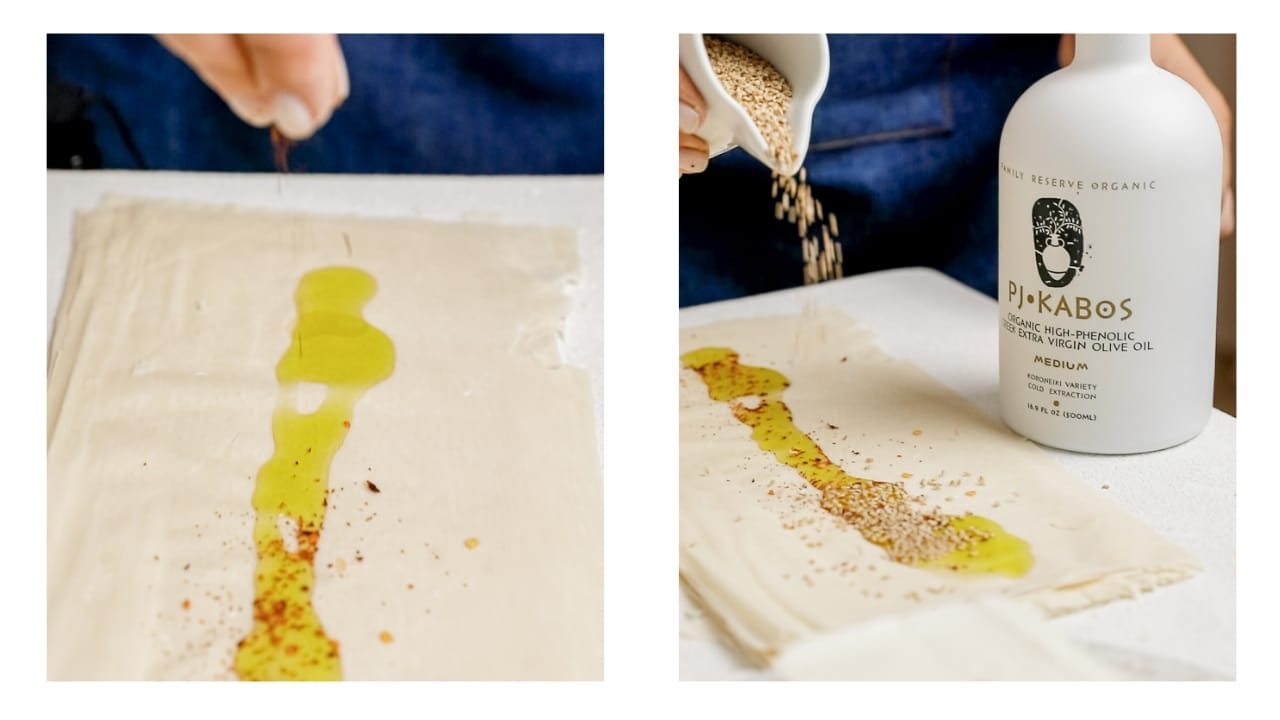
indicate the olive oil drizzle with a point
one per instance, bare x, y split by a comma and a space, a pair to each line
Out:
335, 347
882, 512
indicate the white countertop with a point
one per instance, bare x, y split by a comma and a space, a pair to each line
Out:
1186, 493
536, 200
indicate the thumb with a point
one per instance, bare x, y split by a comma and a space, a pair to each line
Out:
302, 78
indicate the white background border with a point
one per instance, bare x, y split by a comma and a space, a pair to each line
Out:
640, 341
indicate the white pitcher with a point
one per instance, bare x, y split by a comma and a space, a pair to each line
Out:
804, 60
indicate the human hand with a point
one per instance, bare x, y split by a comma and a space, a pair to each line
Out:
293, 82
1171, 53
693, 149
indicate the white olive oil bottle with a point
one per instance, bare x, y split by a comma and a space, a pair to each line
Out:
1110, 199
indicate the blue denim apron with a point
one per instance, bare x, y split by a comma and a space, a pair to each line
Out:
904, 151
461, 104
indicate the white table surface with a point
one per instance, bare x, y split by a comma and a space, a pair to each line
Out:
1186, 493
577, 202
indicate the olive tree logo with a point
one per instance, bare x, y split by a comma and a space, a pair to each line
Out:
1059, 241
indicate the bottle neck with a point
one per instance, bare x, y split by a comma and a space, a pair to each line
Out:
1112, 49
